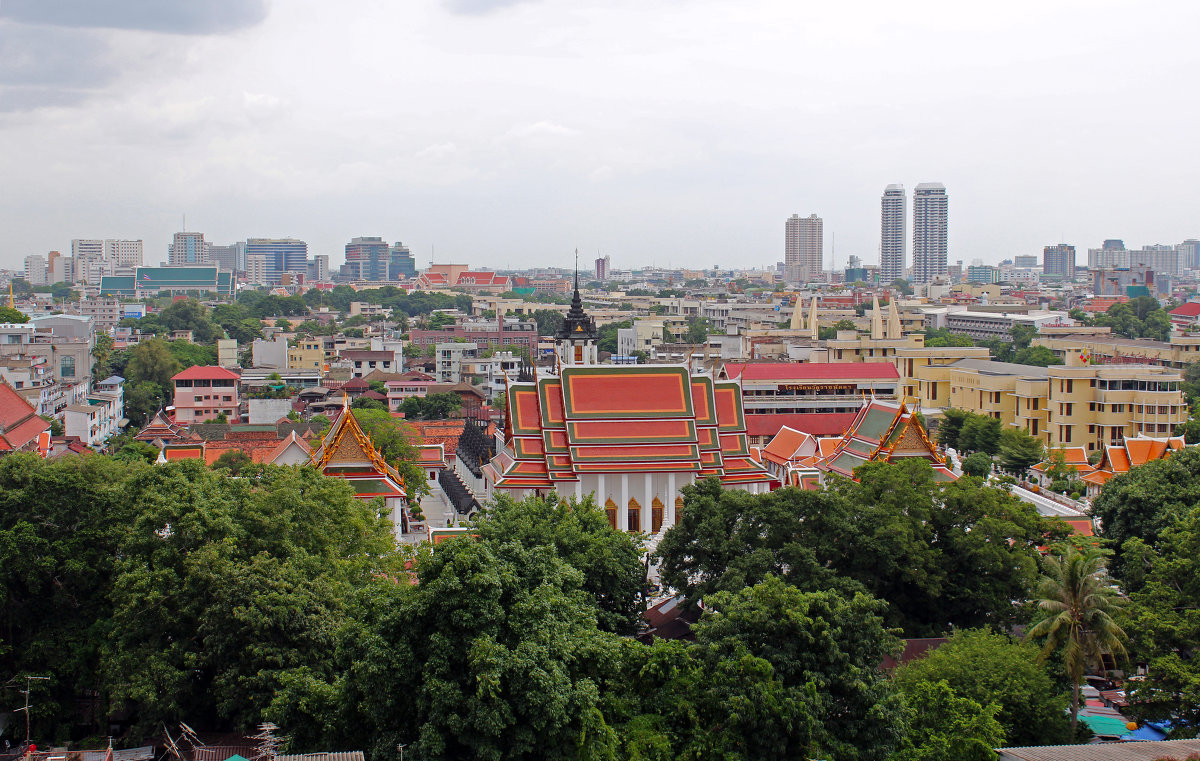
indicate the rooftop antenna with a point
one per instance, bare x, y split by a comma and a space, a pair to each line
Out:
28, 684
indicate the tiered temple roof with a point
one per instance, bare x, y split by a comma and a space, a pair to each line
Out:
347, 452
623, 419
880, 432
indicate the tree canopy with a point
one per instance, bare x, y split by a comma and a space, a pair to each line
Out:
953, 554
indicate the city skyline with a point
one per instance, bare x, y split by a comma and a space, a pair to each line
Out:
509, 133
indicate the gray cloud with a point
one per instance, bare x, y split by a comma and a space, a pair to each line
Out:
205, 17
45, 67
479, 7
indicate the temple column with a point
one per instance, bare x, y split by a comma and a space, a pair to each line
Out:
647, 515
601, 492
579, 490
623, 504
669, 502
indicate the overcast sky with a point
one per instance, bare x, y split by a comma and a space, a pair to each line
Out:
508, 132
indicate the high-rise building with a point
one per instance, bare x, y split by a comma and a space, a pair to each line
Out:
58, 268
1189, 254
1059, 261
35, 270
1029, 260
370, 255
124, 253
803, 248
231, 257
187, 249
603, 265
930, 221
402, 265
318, 268
891, 233
281, 255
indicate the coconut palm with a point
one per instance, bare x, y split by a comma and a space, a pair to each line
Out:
1076, 597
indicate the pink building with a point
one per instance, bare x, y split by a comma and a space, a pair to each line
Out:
204, 392
411, 383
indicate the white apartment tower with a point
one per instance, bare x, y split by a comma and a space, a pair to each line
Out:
803, 248
93, 258
36, 270
891, 233
930, 216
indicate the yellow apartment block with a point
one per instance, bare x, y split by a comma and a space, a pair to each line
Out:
1077, 404
307, 354
1180, 350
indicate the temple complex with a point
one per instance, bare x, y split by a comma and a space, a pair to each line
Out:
631, 435
881, 432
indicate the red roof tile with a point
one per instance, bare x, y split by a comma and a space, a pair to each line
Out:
19, 421
206, 372
1190, 309
813, 423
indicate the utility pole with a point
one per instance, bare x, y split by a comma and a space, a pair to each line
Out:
28, 683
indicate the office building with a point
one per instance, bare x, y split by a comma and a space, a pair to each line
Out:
803, 248
1025, 261
318, 268
256, 270
36, 270
891, 234
1059, 261
402, 264
231, 257
930, 221
187, 249
281, 255
368, 257
983, 273
603, 265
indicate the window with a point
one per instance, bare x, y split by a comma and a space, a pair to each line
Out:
656, 515
1070, 383
66, 367
634, 523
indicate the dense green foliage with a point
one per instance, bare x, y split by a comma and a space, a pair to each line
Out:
1146, 501
389, 297
173, 592
8, 314
943, 554
992, 669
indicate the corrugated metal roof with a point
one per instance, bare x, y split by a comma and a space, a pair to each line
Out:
1129, 751
347, 755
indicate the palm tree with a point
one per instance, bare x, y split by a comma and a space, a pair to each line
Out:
1075, 599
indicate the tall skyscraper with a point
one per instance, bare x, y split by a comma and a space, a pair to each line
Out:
1189, 254
891, 233
803, 248
1059, 261
930, 218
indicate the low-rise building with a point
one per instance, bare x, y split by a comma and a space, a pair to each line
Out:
364, 361
202, 393
308, 353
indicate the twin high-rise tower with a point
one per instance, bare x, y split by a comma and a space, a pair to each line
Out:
930, 217
804, 244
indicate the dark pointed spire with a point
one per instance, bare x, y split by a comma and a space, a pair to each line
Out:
577, 324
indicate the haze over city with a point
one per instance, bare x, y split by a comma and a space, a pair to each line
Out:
507, 134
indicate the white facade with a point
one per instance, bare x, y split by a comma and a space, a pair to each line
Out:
256, 270
930, 221
36, 270
803, 249
94, 258
891, 234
